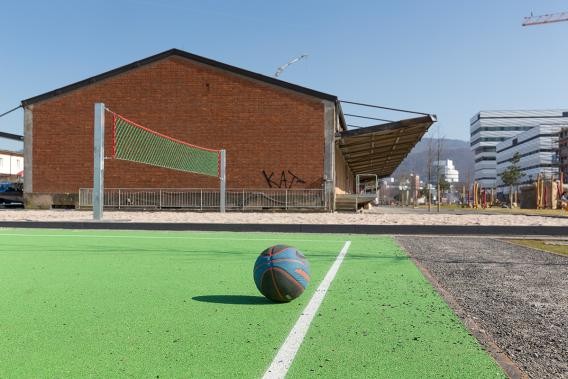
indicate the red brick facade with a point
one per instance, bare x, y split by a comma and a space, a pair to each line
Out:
261, 126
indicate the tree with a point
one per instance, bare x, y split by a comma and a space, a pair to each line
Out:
435, 151
429, 163
444, 184
439, 148
512, 175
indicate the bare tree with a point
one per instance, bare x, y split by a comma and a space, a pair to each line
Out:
429, 164
468, 186
439, 150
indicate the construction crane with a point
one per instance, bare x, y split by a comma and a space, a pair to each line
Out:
545, 19
283, 67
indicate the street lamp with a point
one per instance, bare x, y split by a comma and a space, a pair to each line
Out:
281, 69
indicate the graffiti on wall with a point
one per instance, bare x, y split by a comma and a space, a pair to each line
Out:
286, 180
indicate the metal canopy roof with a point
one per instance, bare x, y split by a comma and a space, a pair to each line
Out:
381, 148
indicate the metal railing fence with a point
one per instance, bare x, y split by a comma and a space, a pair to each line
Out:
205, 199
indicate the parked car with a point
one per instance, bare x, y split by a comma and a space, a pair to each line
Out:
11, 192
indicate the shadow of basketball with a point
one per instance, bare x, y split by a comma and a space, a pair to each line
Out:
234, 299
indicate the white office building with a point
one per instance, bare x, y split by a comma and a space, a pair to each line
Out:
448, 170
11, 163
538, 152
489, 128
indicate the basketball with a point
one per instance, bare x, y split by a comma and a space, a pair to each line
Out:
281, 273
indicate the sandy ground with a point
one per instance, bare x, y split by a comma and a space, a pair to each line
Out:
377, 216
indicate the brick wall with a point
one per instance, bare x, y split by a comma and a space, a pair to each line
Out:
262, 127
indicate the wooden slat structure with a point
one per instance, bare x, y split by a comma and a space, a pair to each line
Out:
379, 149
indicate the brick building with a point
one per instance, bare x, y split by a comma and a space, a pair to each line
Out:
276, 134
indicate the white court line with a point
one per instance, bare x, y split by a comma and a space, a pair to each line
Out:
285, 356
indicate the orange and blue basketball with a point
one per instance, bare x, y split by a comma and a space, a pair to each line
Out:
281, 273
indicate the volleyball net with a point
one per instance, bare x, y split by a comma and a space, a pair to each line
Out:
136, 143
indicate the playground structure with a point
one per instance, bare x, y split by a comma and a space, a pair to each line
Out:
481, 197
544, 193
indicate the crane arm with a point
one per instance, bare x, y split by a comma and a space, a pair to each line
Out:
545, 19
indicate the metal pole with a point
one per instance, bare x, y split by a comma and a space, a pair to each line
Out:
439, 196
415, 186
377, 192
99, 162
222, 179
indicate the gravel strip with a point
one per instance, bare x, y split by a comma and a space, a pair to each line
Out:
516, 295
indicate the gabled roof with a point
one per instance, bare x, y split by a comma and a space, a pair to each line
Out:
381, 148
12, 153
186, 55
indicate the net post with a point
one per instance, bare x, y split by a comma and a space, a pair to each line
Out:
222, 180
99, 162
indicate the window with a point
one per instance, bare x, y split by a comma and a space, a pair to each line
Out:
485, 159
485, 149
488, 139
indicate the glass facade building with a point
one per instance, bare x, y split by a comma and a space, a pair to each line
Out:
538, 153
490, 128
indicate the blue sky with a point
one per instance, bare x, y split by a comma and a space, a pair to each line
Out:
451, 58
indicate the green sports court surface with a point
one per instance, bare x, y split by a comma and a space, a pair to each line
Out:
78, 303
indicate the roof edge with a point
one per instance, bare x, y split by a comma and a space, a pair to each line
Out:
186, 55
389, 126
11, 152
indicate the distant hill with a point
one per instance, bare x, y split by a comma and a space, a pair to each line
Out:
456, 150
